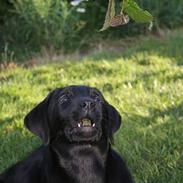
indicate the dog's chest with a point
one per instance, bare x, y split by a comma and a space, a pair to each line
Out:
85, 170
84, 166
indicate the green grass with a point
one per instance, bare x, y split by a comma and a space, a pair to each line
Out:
145, 83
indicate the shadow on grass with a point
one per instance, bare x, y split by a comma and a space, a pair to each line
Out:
5, 121
175, 112
9, 96
6, 79
14, 146
170, 111
147, 80
155, 144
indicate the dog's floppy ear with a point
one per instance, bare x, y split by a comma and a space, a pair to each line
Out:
37, 120
114, 119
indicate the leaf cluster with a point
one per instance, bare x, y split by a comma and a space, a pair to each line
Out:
129, 9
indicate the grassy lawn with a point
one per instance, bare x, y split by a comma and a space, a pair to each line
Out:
144, 82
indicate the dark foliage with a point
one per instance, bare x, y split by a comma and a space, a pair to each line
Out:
25, 31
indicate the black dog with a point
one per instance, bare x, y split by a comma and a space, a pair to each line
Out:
76, 125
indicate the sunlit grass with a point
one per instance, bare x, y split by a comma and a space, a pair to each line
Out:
145, 84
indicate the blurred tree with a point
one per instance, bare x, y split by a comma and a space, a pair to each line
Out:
5, 9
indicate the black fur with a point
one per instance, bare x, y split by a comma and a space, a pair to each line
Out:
72, 153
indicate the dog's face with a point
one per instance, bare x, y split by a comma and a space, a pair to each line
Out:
79, 113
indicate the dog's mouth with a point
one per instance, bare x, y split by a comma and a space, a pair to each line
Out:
85, 130
85, 122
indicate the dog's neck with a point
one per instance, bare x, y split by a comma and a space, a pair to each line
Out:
83, 163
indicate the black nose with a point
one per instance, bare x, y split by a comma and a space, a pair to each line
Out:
87, 104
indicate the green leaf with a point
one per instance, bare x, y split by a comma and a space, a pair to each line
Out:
131, 9
135, 12
109, 15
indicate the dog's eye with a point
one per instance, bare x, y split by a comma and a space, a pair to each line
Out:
97, 98
64, 98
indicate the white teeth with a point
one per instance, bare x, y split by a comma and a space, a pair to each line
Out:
79, 125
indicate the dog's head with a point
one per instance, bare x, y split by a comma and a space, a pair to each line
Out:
79, 113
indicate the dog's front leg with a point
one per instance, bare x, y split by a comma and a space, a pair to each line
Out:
117, 171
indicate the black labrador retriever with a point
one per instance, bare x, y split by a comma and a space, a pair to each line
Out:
76, 125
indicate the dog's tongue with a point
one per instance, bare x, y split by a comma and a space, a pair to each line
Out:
86, 122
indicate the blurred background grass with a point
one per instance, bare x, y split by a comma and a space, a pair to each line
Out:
46, 44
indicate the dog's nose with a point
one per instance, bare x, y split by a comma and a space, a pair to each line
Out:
87, 104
